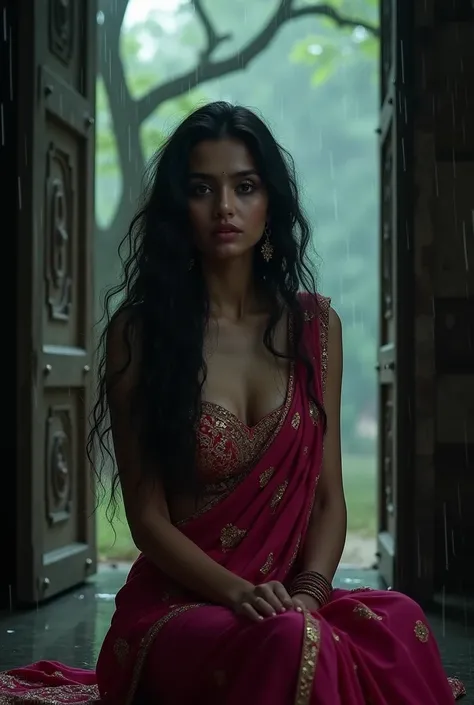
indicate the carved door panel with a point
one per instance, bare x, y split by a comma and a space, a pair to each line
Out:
394, 458
56, 525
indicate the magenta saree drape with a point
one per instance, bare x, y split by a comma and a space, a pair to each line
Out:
166, 646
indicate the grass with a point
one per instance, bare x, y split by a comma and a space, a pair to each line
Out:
360, 489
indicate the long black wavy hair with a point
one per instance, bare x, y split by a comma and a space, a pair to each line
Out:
168, 301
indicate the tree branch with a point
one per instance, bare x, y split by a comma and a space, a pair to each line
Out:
207, 70
213, 39
336, 17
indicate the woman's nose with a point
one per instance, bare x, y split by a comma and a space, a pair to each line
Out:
225, 203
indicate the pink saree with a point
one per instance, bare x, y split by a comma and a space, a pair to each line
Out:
166, 646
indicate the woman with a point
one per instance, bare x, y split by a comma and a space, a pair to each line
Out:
222, 381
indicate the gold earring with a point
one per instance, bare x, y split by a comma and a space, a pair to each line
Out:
267, 247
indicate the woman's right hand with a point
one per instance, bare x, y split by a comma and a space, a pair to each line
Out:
260, 601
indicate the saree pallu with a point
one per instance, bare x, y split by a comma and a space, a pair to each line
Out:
165, 646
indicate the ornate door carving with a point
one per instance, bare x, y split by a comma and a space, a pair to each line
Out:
56, 535
396, 277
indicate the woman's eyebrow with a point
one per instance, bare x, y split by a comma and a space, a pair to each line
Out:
236, 174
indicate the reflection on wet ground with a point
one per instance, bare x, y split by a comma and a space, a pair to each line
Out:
71, 628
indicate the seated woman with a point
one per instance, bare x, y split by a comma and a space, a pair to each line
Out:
222, 377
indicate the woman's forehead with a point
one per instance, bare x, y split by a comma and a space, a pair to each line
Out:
221, 157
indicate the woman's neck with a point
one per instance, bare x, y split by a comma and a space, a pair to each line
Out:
233, 293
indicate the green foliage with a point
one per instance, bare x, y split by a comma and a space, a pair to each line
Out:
318, 51
370, 48
325, 54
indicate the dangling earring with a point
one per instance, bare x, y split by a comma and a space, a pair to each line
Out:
267, 247
190, 265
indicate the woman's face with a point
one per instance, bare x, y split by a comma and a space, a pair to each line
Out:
227, 199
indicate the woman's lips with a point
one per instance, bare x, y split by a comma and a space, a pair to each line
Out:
226, 235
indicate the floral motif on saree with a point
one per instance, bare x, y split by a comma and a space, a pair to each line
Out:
265, 477
278, 495
422, 632
267, 566
365, 612
231, 536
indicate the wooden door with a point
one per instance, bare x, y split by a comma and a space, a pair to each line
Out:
395, 359
56, 84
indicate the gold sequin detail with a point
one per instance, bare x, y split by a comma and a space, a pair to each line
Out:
457, 687
267, 566
309, 659
365, 612
309, 316
52, 694
361, 589
121, 650
295, 552
421, 631
325, 304
231, 536
336, 636
265, 477
278, 495
313, 412
305, 450
295, 421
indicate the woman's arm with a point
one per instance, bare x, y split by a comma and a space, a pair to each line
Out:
146, 506
328, 523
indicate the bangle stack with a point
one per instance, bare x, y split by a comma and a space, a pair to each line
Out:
314, 585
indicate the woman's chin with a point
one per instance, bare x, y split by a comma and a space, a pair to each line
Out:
227, 251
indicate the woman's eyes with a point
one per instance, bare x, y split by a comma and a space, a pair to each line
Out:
200, 190
246, 187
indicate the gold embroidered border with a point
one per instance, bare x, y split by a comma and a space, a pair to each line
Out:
325, 305
309, 659
147, 642
47, 694
457, 687
294, 555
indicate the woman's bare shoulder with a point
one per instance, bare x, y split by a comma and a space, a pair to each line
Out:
334, 321
123, 345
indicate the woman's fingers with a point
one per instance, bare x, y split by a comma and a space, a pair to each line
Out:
266, 592
282, 594
247, 610
264, 606
298, 605
268, 600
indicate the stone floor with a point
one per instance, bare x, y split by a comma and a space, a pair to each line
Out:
71, 628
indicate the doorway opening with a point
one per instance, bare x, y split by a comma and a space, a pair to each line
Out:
317, 85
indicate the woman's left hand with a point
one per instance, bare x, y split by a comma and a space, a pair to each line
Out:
305, 602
